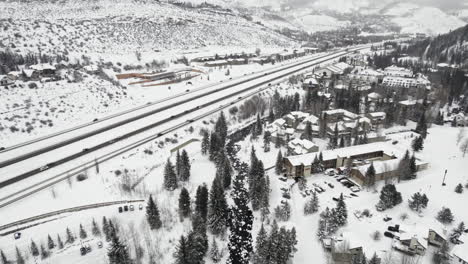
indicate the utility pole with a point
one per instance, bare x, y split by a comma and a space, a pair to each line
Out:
443, 181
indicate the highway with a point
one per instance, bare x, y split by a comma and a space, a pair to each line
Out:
115, 141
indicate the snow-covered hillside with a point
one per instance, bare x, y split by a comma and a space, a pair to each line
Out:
125, 26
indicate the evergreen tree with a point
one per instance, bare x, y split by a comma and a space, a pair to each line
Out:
215, 254
215, 145
205, 144
59, 242
178, 164
312, 204
421, 127
221, 128
105, 228
44, 252
457, 232
262, 253
50, 242
201, 201
417, 144
459, 188
34, 249
198, 237
19, 257
258, 187
259, 125
182, 254
327, 225
95, 230
197, 247
442, 256
445, 216
341, 212
184, 173
70, 237
279, 163
240, 224
83, 234
184, 203
370, 175
170, 177
152, 214
389, 197
217, 209
308, 131
418, 201
283, 212
374, 259
266, 141
404, 167
118, 252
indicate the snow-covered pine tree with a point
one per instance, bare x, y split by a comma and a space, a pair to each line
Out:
308, 131
215, 253
445, 215
184, 174
34, 249
83, 234
170, 177
178, 164
50, 242
182, 254
258, 188
374, 260
201, 201
240, 225
205, 144
283, 211
370, 175
418, 144
418, 201
59, 242
95, 229
266, 141
184, 203
312, 205
105, 228
118, 252
221, 128
459, 188
44, 252
70, 237
279, 163
197, 246
262, 252
259, 125
457, 232
152, 214
341, 213
389, 197
421, 127
19, 257
215, 145
217, 209
441, 256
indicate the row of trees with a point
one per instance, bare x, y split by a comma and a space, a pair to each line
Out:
331, 220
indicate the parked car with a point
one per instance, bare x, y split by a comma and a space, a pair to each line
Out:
83, 251
99, 244
126, 208
140, 207
388, 234
330, 172
120, 209
355, 189
386, 218
17, 235
132, 208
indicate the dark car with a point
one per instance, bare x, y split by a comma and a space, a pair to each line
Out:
95, 120
83, 251
353, 194
386, 219
126, 208
2, 148
331, 185
120, 209
17, 235
388, 234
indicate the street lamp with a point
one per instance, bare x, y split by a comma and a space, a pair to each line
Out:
443, 181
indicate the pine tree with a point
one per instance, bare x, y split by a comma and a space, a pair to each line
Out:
459, 188
240, 225
389, 197
44, 252
215, 145
70, 237
258, 188
445, 216
3, 258
215, 254
421, 127
418, 201
50, 242
184, 203
118, 253
205, 144
201, 201
197, 246
261, 247
83, 234
95, 230
152, 214
259, 125
59, 242
105, 228
283, 212
217, 209
279, 163
19, 257
374, 260
178, 164
266, 141
417, 144
170, 177
308, 131
271, 115
34, 249
221, 128
457, 232
185, 167
341, 213
182, 254
370, 175
312, 205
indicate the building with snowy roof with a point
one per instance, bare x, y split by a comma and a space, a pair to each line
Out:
459, 254
301, 146
398, 71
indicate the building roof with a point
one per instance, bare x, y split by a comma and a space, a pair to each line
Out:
374, 95
378, 114
42, 66
461, 251
346, 113
311, 80
343, 152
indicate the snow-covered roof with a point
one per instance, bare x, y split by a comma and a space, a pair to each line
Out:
374, 95
344, 152
42, 66
378, 114
380, 166
341, 111
28, 72
311, 80
461, 251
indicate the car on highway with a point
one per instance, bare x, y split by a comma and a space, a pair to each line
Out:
269, 84
240, 97
17, 235
43, 168
132, 208
189, 120
2, 148
95, 120
188, 90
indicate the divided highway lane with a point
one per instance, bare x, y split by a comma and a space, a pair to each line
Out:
103, 153
88, 145
44, 144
